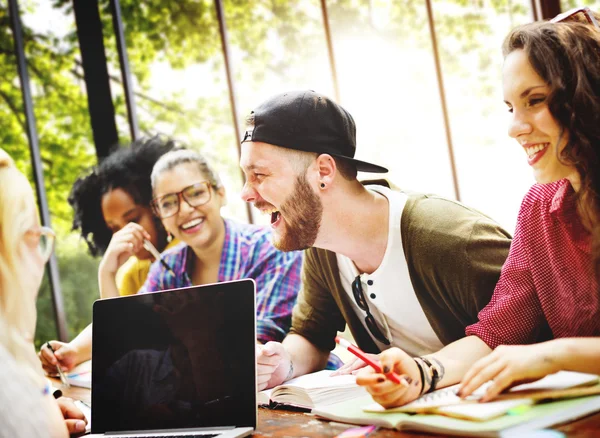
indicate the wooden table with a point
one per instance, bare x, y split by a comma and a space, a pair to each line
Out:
280, 423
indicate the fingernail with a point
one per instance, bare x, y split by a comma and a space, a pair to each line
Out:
386, 369
408, 380
79, 426
380, 380
459, 393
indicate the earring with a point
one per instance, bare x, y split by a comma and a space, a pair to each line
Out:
322, 185
169, 237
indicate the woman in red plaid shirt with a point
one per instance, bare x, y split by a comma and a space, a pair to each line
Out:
544, 315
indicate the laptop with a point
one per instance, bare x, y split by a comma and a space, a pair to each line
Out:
176, 363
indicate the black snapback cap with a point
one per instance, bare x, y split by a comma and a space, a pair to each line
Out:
310, 122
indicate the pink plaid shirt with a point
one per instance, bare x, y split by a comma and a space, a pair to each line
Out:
547, 288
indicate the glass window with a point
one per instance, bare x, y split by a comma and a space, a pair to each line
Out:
492, 168
387, 81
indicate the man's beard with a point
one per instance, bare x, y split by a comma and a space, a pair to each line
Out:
302, 211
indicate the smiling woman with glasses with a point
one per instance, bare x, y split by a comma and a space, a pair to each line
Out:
28, 408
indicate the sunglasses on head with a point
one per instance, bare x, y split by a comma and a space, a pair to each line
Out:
574, 14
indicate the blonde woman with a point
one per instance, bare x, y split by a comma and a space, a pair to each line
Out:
27, 407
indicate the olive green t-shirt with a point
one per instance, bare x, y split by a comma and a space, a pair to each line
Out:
454, 256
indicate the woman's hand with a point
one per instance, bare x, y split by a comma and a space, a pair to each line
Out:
65, 355
508, 366
385, 392
124, 243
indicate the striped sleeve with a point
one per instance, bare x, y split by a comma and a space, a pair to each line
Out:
277, 276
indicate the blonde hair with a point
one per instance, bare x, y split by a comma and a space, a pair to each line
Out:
17, 303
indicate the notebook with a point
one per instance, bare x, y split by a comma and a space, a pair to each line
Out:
445, 401
176, 363
81, 375
312, 390
534, 417
443, 411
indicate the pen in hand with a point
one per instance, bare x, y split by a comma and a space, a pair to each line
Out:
361, 355
152, 250
63, 378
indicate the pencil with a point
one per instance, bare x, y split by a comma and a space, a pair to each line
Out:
63, 378
361, 355
152, 250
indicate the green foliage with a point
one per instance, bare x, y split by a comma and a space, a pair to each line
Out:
78, 273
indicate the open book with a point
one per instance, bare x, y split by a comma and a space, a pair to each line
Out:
312, 390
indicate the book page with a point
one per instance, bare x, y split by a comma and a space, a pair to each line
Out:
320, 379
560, 380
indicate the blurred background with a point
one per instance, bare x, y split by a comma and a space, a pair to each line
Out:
422, 79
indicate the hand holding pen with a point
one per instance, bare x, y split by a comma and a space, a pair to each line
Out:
380, 379
373, 364
63, 378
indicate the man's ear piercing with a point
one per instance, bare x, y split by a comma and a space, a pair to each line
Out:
322, 185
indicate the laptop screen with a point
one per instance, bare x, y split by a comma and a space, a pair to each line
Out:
183, 358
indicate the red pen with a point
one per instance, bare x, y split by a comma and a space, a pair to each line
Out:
361, 355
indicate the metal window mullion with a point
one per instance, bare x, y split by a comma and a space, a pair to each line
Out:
231, 88
95, 74
125, 70
330, 52
442, 92
36, 164
545, 9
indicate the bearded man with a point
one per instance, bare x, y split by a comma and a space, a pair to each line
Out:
401, 269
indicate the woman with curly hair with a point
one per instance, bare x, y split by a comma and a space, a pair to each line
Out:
544, 315
112, 210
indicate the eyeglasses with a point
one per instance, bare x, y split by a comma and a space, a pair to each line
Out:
45, 244
195, 195
359, 296
568, 16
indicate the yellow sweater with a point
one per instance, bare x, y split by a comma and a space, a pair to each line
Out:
132, 275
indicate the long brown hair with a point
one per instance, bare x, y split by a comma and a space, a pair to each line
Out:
566, 56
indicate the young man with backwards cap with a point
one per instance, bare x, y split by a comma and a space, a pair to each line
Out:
401, 269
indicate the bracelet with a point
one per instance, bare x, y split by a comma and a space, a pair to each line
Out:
435, 377
421, 373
